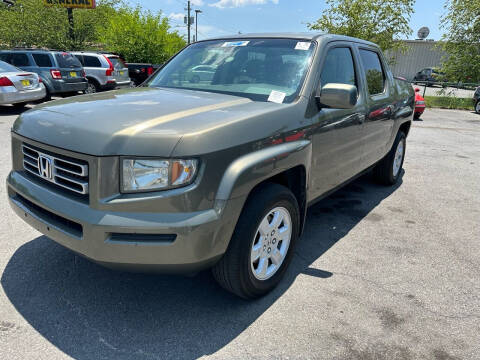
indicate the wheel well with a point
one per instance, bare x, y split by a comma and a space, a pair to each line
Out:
93, 80
295, 180
405, 127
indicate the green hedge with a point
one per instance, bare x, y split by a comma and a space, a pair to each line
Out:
447, 102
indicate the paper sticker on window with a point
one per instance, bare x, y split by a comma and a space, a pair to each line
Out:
276, 97
302, 45
235, 43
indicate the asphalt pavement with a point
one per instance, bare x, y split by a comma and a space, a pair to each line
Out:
380, 273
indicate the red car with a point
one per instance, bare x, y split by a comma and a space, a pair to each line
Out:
419, 104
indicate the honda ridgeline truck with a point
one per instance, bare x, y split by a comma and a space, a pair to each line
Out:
179, 176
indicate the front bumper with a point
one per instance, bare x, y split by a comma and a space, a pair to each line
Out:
134, 241
15, 96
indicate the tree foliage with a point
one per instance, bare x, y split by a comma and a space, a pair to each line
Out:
380, 21
141, 35
137, 34
462, 40
32, 24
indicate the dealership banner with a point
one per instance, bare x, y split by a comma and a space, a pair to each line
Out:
79, 4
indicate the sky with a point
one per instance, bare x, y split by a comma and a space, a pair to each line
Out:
225, 17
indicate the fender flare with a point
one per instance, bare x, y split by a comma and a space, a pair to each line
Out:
266, 163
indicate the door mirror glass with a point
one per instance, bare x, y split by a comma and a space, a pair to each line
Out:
338, 96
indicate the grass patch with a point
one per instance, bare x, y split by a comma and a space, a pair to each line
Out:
448, 102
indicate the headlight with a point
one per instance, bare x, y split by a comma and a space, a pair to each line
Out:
144, 175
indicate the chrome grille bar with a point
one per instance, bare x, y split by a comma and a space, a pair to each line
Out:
59, 171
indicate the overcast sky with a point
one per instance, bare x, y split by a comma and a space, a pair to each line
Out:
223, 17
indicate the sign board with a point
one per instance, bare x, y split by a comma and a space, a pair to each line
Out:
79, 4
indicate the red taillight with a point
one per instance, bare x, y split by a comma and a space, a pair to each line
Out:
40, 80
150, 70
84, 74
109, 71
56, 74
4, 81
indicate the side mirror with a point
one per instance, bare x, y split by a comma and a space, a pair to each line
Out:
337, 96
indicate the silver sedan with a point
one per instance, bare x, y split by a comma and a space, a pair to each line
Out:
18, 87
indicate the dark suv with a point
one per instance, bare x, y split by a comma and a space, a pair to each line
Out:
60, 71
476, 100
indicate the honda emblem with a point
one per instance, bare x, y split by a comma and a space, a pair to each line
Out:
45, 167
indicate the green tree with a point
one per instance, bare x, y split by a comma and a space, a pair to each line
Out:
380, 21
462, 40
31, 23
141, 36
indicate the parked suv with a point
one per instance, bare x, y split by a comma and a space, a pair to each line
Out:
61, 73
476, 100
179, 176
429, 76
103, 71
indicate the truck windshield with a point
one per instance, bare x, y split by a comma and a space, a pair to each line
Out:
253, 68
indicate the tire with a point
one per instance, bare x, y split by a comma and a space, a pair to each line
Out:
19, 105
195, 79
477, 107
92, 87
389, 169
236, 271
416, 116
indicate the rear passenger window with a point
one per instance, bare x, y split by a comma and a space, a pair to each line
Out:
338, 67
91, 61
42, 60
5, 57
373, 71
19, 60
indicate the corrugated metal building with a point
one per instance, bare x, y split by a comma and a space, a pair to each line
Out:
419, 55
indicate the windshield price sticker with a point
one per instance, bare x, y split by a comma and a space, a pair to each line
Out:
276, 97
235, 43
302, 45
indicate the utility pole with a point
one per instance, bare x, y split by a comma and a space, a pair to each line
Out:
196, 23
188, 20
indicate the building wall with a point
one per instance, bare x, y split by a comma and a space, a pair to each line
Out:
419, 55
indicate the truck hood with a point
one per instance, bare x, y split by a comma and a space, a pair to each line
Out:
139, 121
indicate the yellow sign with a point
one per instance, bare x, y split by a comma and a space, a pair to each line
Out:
79, 4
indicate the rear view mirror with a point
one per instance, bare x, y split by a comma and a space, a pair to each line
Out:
338, 96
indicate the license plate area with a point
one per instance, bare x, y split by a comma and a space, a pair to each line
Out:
26, 83
73, 74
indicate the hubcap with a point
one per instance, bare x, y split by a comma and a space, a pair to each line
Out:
398, 159
270, 244
90, 88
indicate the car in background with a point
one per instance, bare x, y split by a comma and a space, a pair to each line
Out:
18, 87
201, 73
104, 71
139, 72
419, 104
476, 100
61, 72
429, 76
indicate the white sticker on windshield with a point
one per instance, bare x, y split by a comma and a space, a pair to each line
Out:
235, 43
277, 97
302, 45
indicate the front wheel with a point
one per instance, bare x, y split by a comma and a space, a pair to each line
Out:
262, 244
389, 169
477, 107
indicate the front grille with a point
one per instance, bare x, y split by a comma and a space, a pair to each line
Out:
71, 174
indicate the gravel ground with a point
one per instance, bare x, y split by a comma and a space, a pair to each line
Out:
380, 273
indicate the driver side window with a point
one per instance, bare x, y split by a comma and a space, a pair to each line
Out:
338, 67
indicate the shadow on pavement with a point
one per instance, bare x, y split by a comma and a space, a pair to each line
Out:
90, 312
13, 110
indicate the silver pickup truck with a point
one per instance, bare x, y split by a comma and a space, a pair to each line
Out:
182, 175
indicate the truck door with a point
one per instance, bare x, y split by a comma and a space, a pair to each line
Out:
380, 97
337, 133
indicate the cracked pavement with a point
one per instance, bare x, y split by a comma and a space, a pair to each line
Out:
380, 273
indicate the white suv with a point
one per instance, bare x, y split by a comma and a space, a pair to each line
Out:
103, 71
